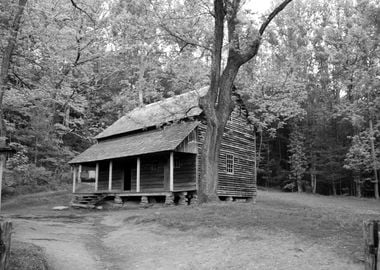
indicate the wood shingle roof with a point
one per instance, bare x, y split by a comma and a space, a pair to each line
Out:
156, 114
157, 140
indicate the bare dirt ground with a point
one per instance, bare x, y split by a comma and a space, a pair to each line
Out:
282, 231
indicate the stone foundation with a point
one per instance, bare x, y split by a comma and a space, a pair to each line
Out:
183, 199
144, 200
169, 200
229, 199
194, 199
118, 200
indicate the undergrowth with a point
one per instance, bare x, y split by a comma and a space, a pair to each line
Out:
26, 256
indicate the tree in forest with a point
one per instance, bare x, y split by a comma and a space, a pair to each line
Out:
326, 59
12, 26
297, 158
361, 78
44, 102
218, 103
359, 158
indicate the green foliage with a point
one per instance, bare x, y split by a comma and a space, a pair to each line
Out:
297, 157
320, 71
18, 161
359, 158
74, 72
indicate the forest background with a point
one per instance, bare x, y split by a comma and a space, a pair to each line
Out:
313, 91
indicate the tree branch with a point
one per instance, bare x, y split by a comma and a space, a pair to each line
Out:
216, 61
87, 60
21, 80
272, 15
184, 40
83, 11
233, 35
255, 44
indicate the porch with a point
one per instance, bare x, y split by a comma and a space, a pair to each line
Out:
157, 174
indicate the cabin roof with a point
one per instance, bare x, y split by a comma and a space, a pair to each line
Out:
157, 140
155, 114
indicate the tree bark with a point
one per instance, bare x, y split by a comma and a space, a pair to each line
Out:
333, 187
358, 186
314, 183
6, 61
373, 153
371, 244
313, 175
218, 104
299, 184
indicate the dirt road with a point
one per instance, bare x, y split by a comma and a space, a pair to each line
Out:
139, 239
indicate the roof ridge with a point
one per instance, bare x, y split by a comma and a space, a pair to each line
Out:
166, 110
168, 99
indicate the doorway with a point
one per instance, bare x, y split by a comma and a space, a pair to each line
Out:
127, 178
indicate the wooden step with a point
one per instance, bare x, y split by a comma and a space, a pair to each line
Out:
87, 201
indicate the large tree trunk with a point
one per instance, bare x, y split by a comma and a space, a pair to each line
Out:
6, 61
218, 104
209, 164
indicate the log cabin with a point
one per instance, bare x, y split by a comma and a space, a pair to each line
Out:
154, 151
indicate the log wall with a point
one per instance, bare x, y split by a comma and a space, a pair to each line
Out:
184, 176
238, 140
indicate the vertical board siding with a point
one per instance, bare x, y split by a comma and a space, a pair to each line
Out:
118, 167
238, 140
103, 175
117, 174
184, 177
152, 172
133, 177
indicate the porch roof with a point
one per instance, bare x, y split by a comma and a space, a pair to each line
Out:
158, 140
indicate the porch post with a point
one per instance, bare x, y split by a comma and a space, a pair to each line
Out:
138, 175
96, 176
196, 172
74, 177
80, 173
110, 176
171, 174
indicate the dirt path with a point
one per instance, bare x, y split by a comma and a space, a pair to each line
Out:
111, 243
65, 240
137, 238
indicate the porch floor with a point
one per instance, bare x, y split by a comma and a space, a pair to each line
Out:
132, 193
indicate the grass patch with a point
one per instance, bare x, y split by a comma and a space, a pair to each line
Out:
26, 256
329, 225
47, 199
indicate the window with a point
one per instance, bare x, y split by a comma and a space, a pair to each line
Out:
230, 164
177, 163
